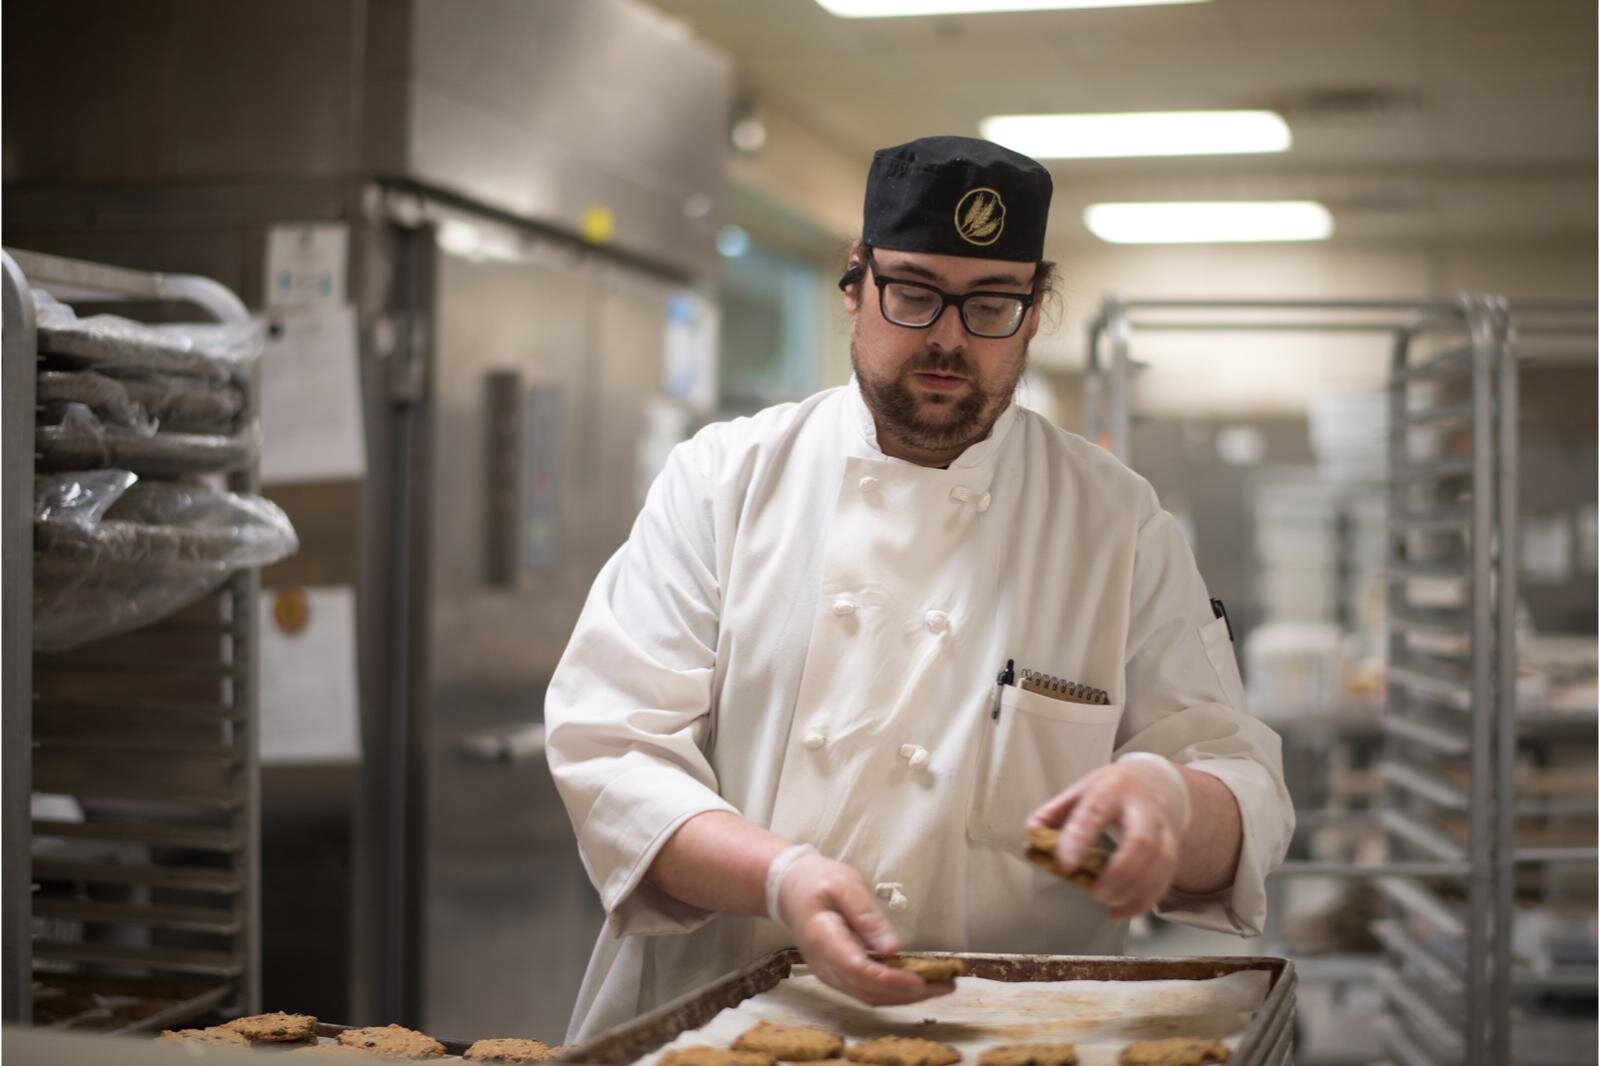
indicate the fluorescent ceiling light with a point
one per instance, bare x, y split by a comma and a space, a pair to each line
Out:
1203, 223
1148, 133
876, 9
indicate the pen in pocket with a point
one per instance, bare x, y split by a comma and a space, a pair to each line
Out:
1046, 685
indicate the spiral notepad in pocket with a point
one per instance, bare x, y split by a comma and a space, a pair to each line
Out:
1060, 689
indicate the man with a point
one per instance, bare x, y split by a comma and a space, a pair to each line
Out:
790, 713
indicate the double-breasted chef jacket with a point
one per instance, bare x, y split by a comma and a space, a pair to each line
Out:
808, 633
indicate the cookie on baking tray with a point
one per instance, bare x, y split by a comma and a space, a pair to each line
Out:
1030, 1055
275, 1028
1042, 842
216, 1035
1174, 1051
902, 1051
790, 1043
930, 969
392, 1042
511, 1050
705, 1055
333, 1049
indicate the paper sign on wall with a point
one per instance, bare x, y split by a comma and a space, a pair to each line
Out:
311, 422
309, 708
306, 263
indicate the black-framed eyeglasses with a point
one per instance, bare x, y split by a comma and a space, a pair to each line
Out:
918, 305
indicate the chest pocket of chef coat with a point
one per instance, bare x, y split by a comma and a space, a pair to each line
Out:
1035, 749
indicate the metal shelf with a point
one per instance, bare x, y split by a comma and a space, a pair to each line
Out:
1445, 975
1424, 904
126, 720
1423, 784
218, 920
1442, 1032
1400, 1044
195, 838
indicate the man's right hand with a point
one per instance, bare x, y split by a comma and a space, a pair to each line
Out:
835, 921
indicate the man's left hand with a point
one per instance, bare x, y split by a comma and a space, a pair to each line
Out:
1150, 804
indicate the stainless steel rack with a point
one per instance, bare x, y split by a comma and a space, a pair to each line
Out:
1453, 721
144, 912
1452, 725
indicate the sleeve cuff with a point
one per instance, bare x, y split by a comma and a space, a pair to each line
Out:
1242, 908
626, 829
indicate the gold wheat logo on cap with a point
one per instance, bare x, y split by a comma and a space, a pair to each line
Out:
980, 216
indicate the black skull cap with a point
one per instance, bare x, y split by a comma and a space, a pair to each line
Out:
957, 196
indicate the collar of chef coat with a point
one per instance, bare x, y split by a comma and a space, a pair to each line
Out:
979, 456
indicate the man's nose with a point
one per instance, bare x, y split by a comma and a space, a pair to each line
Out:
947, 334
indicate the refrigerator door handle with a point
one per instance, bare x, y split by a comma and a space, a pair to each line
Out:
513, 744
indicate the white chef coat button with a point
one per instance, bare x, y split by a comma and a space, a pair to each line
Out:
983, 502
868, 483
815, 740
842, 607
937, 621
893, 893
915, 754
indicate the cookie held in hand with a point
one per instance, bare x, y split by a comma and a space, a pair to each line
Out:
902, 1051
1041, 851
930, 969
790, 1043
1174, 1051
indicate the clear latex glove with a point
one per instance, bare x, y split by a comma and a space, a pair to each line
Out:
836, 920
1146, 799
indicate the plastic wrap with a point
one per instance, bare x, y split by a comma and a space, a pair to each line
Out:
113, 553
107, 399
183, 405
144, 403
114, 344
80, 440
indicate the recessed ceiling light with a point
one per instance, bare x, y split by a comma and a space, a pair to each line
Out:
875, 9
1144, 133
1205, 223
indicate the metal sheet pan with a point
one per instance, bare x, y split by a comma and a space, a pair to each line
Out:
1268, 1040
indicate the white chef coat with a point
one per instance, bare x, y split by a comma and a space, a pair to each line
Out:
807, 632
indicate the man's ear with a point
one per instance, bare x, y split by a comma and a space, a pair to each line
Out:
852, 293
1032, 325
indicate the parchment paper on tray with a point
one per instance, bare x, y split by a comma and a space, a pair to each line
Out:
1100, 1017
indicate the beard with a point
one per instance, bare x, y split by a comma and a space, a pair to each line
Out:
936, 422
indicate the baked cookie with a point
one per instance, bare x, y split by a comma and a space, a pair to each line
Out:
790, 1043
930, 969
275, 1028
392, 1042
216, 1035
1041, 852
1174, 1051
510, 1050
1030, 1055
332, 1049
902, 1051
705, 1055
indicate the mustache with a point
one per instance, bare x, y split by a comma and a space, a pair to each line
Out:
939, 363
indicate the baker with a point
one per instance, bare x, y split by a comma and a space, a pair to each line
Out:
786, 714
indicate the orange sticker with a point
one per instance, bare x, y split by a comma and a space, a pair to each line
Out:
291, 610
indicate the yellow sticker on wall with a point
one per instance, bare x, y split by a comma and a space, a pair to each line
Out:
598, 224
291, 610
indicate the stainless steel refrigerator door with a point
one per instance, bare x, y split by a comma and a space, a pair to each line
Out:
510, 916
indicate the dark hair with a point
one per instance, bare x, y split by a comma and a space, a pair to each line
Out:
855, 271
